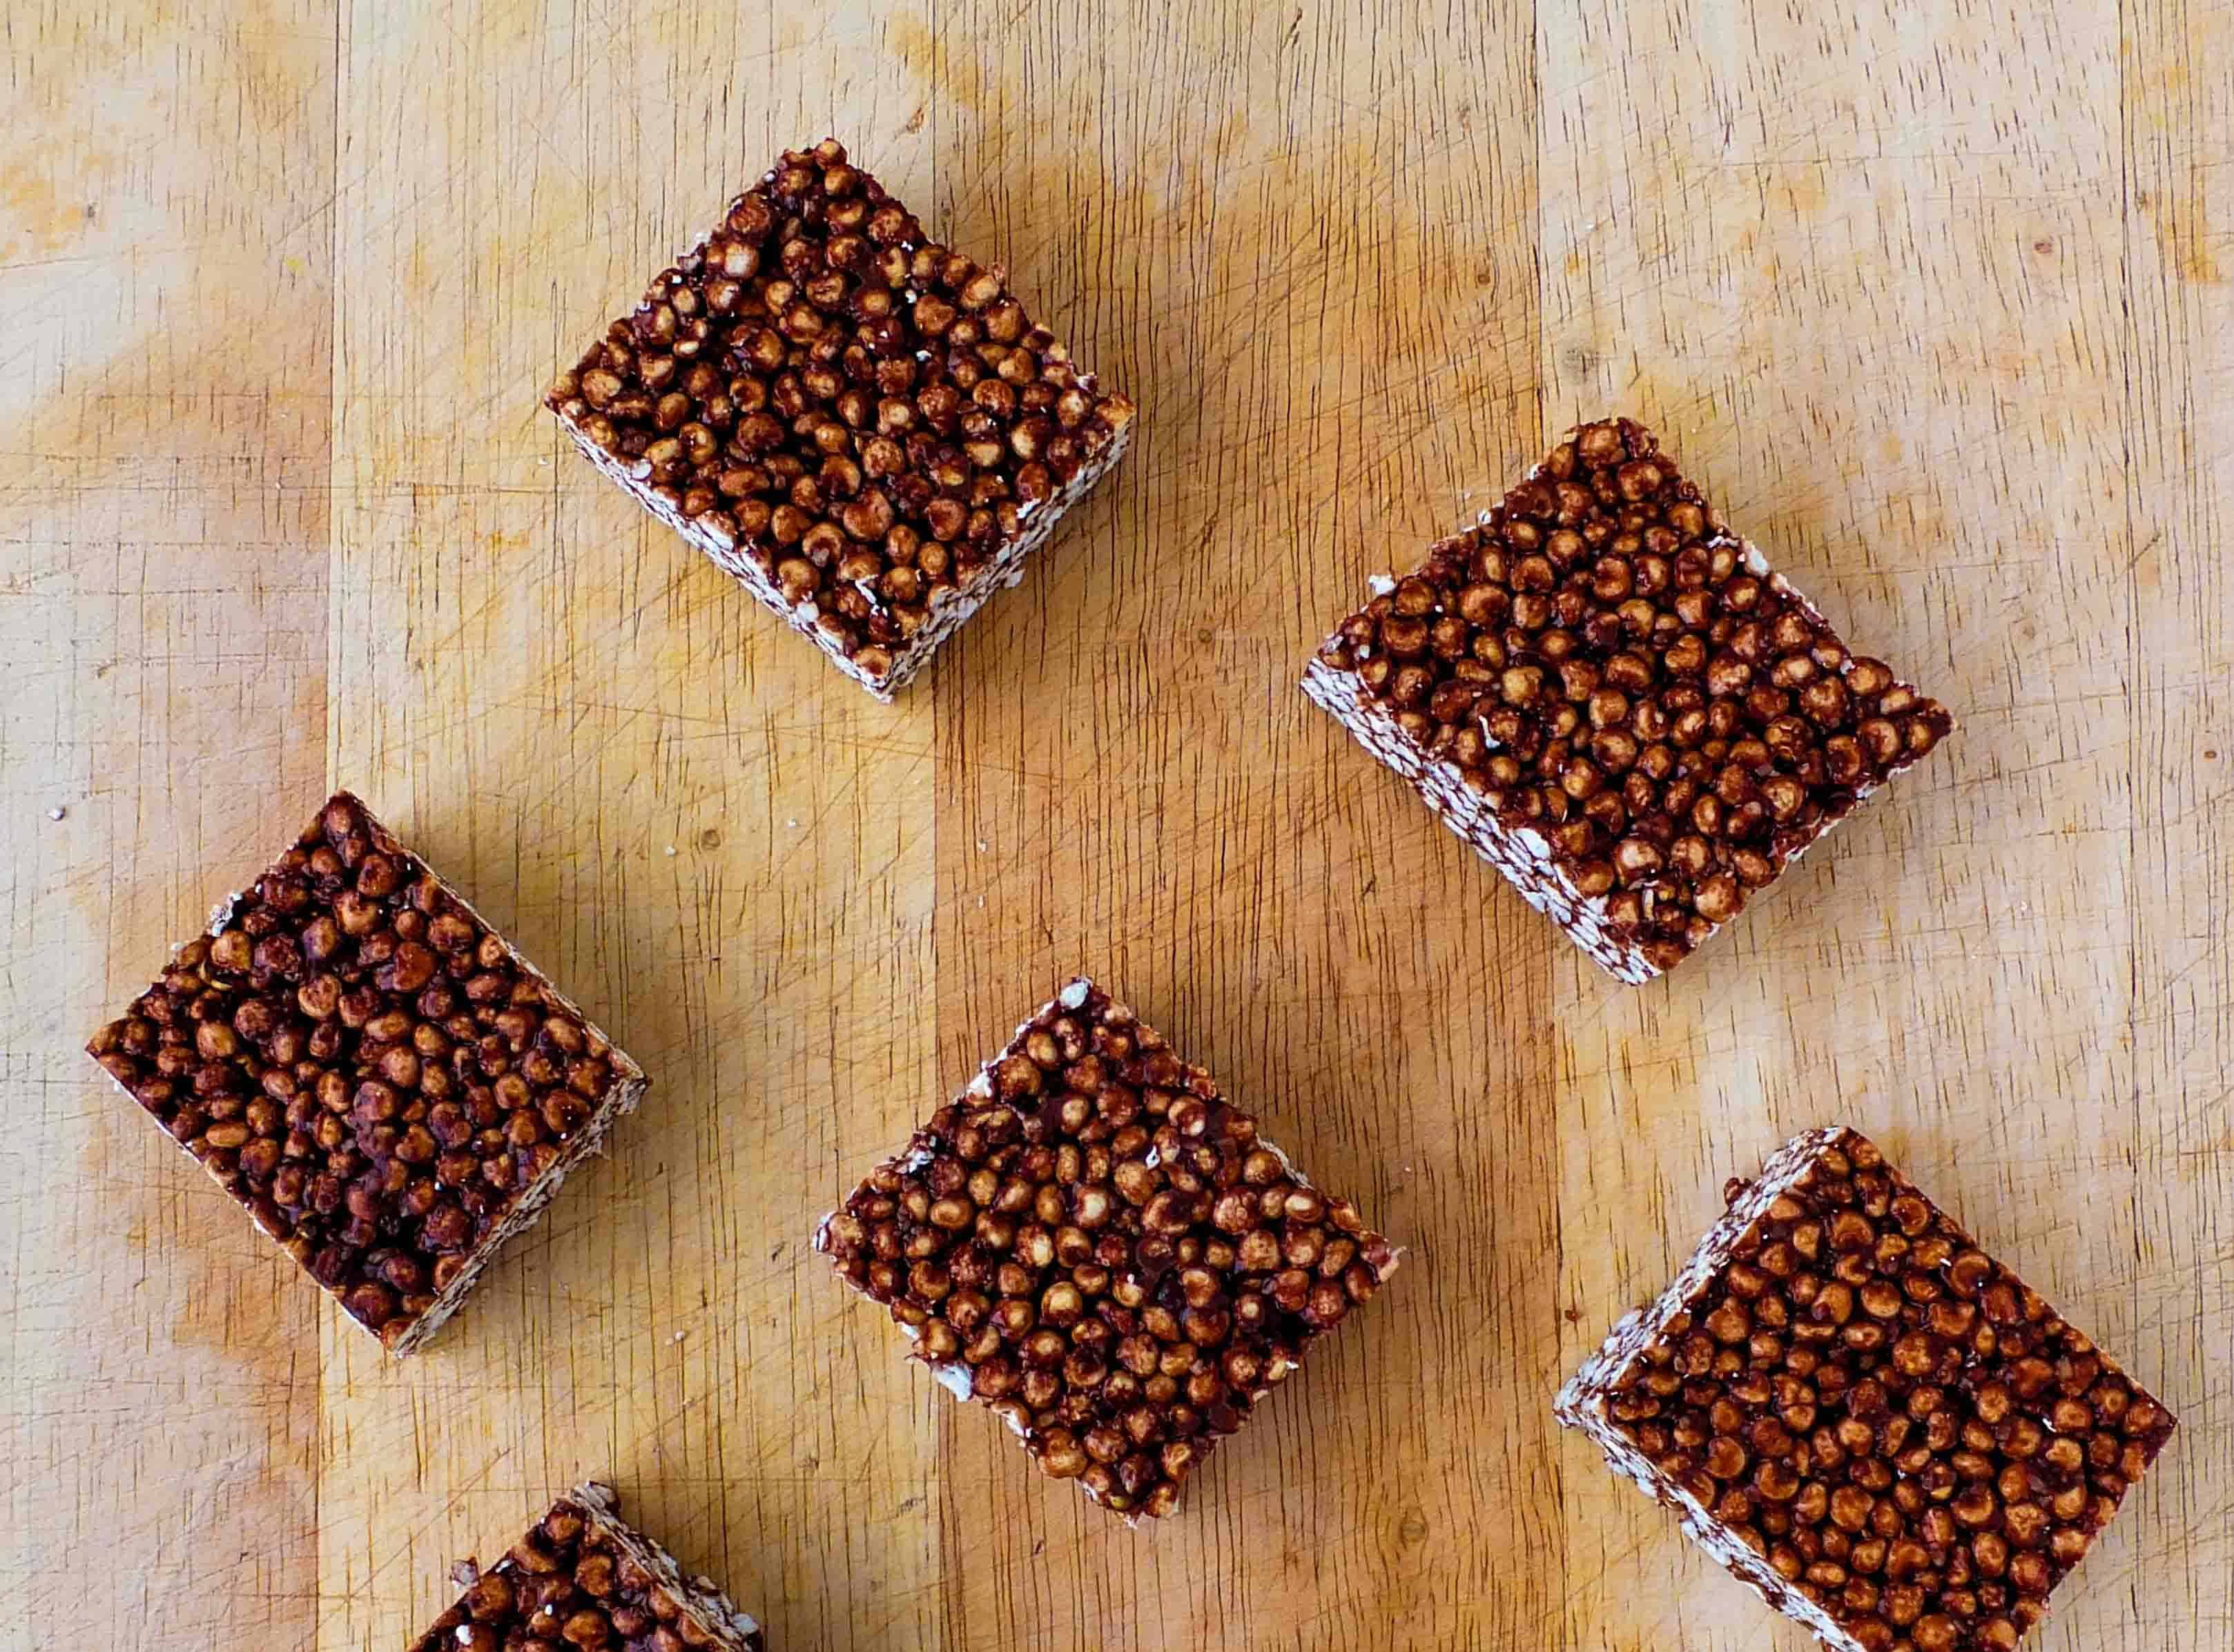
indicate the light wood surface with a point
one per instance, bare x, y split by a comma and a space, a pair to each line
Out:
1935, 301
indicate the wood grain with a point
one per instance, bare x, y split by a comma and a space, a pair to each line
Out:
165, 365
1938, 307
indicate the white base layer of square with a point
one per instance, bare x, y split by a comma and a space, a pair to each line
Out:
1582, 1403
949, 604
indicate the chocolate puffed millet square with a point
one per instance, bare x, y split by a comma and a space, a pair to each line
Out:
1617, 702
387, 1088
1092, 1241
865, 426
1859, 1413
584, 1579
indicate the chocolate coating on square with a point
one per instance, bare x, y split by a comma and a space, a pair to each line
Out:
1094, 1241
368, 1069
871, 417
582, 1580
1611, 668
1918, 1444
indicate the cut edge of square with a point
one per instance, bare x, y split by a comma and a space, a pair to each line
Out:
1580, 1403
1521, 856
622, 1098
698, 1595
950, 606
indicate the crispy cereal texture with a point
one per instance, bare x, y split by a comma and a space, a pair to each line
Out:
583, 1578
864, 426
1091, 1240
1859, 1413
368, 1069
1618, 703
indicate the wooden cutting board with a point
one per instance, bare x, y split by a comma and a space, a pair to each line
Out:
1934, 300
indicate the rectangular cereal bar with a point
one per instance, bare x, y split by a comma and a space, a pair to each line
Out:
1091, 1240
864, 426
1859, 1413
584, 1578
374, 1074
1618, 703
